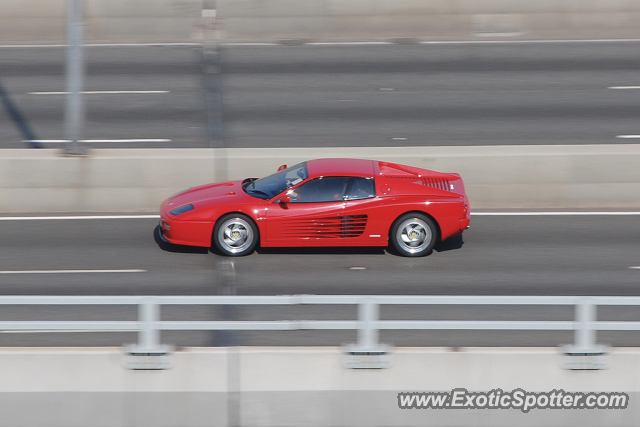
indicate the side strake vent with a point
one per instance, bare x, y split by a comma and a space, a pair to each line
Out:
439, 183
353, 226
333, 227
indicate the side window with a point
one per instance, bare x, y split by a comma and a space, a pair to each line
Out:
361, 188
324, 189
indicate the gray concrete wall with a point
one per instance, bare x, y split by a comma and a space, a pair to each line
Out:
427, 19
305, 386
118, 21
42, 21
496, 177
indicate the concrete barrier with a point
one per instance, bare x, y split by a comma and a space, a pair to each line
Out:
496, 177
107, 21
425, 19
304, 386
42, 21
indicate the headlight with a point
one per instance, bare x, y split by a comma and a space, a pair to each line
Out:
182, 209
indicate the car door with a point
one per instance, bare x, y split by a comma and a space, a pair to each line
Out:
363, 222
313, 217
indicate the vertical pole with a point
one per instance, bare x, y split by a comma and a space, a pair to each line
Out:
149, 335
226, 275
585, 335
74, 111
368, 314
212, 74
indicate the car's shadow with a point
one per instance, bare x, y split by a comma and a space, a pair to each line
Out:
450, 244
323, 251
170, 247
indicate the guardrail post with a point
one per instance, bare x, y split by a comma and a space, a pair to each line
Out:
149, 335
585, 354
585, 335
367, 353
148, 354
368, 313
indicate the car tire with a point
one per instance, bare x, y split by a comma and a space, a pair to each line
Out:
235, 235
413, 235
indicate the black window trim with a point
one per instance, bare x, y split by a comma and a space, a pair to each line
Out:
344, 191
351, 181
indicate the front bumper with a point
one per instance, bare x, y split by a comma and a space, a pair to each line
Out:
161, 233
188, 233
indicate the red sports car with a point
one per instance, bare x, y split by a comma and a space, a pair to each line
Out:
325, 202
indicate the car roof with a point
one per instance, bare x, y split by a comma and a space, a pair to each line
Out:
350, 167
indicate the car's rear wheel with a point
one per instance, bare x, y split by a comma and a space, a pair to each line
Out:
413, 235
235, 235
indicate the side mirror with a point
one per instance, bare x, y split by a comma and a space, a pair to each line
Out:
285, 199
282, 167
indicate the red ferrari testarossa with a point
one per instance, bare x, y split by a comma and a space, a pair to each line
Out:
325, 202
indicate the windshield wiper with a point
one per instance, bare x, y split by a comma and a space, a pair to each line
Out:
257, 192
248, 181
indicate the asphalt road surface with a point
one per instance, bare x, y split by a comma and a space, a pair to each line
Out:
499, 255
311, 95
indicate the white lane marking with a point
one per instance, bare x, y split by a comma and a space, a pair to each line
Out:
551, 213
346, 43
251, 44
209, 13
17, 46
44, 218
623, 87
70, 271
72, 217
628, 136
49, 331
399, 139
508, 34
530, 41
436, 42
53, 141
357, 268
102, 92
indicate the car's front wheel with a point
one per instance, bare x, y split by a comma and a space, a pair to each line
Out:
235, 235
413, 235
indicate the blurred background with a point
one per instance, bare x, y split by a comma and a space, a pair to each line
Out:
321, 73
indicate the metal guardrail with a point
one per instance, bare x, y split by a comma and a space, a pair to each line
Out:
368, 323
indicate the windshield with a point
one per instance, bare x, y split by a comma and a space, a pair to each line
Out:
270, 186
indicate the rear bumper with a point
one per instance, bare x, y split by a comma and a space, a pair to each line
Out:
464, 222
